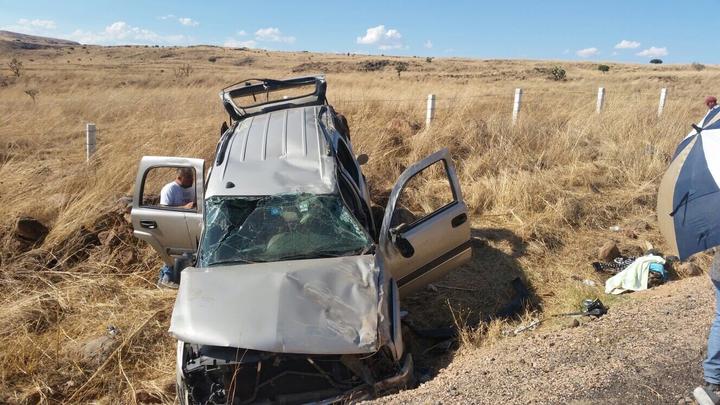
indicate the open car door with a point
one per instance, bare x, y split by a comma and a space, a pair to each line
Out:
425, 231
171, 229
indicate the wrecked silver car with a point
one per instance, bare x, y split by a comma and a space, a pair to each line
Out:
289, 289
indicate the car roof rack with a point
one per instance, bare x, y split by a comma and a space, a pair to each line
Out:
259, 91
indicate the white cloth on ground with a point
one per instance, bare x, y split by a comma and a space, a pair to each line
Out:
634, 277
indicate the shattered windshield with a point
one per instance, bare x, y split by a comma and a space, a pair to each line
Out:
281, 227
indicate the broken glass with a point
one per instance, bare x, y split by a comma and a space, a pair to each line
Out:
281, 227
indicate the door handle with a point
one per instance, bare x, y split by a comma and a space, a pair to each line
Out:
459, 220
148, 224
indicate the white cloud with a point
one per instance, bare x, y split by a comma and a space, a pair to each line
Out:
382, 38
241, 33
45, 24
234, 43
653, 52
272, 34
32, 27
188, 22
625, 44
121, 32
587, 52
428, 44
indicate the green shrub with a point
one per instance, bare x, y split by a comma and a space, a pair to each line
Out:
656, 61
400, 67
16, 67
557, 73
604, 68
697, 66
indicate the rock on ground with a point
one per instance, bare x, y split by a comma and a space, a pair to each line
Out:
30, 229
608, 251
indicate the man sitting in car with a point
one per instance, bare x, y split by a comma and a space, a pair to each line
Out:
180, 192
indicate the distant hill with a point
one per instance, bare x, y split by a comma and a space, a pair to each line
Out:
13, 40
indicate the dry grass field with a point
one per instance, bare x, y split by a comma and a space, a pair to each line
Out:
542, 194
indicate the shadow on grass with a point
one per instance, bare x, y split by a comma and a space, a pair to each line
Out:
480, 290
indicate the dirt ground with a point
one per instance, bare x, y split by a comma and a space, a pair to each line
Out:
647, 350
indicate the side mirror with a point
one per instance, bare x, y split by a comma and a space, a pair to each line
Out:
362, 159
404, 246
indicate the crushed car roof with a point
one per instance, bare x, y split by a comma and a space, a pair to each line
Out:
284, 151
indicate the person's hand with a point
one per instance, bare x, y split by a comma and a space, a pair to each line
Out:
189, 205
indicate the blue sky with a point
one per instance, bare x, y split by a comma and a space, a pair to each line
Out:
609, 30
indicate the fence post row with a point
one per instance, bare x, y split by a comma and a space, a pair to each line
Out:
600, 99
516, 105
661, 104
90, 137
430, 114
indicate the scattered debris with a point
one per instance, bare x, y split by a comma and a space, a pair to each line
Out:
615, 265
113, 330
449, 287
608, 251
615, 228
590, 308
589, 283
648, 245
635, 276
530, 326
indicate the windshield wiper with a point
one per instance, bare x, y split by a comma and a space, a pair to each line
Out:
234, 261
327, 254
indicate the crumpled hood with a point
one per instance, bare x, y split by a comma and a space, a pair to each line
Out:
317, 306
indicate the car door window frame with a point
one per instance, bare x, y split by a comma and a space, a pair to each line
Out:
439, 210
197, 209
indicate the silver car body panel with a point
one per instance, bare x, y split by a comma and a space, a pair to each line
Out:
316, 306
441, 239
171, 231
279, 152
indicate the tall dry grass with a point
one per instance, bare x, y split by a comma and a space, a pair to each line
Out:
542, 194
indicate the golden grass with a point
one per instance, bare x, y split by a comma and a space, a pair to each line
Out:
542, 194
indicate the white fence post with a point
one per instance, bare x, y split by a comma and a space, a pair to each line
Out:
663, 97
600, 99
516, 105
90, 132
430, 114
